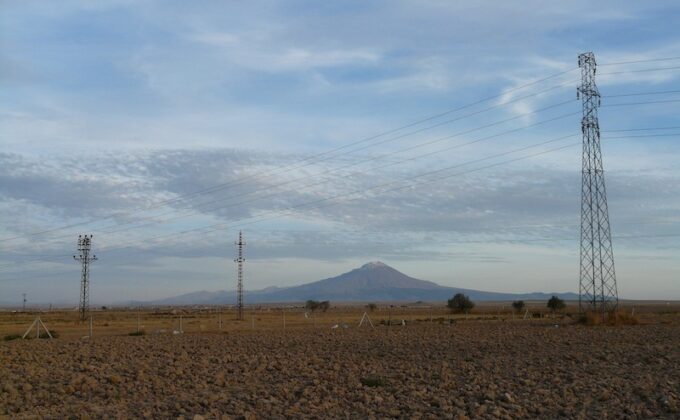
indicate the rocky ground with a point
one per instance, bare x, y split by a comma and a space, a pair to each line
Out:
469, 369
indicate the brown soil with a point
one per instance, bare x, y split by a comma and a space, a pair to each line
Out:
468, 369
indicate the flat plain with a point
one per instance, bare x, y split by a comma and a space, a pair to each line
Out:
486, 365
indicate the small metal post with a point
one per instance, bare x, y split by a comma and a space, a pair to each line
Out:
90, 326
180, 324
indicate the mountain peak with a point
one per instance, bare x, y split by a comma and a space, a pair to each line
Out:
374, 264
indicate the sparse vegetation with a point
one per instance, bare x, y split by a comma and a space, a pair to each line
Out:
460, 303
518, 306
612, 318
556, 304
373, 381
313, 305
137, 333
10, 337
371, 307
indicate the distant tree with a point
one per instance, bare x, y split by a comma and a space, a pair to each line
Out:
518, 305
312, 305
556, 304
371, 307
460, 303
324, 305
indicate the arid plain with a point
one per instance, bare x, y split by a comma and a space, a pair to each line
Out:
489, 364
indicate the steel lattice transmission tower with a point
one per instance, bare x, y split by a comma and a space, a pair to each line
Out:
239, 286
597, 289
84, 247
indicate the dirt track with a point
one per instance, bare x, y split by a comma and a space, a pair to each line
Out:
474, 369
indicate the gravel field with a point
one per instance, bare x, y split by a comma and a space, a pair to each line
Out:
465, 370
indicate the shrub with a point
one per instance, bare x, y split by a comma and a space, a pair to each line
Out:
373, 381
460, 303
556, 304
312, 305
11, 337
371, 307
137, 333
518, 305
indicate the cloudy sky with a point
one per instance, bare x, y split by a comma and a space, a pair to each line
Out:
439, 137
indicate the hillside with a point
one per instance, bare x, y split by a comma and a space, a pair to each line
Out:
374, 281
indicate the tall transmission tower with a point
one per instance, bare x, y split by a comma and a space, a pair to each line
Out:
597, 289
239, 287
84, 247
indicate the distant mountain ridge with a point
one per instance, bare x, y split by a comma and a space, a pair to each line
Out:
372, 282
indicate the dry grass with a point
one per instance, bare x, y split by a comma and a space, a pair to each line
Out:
613, 318
119, 322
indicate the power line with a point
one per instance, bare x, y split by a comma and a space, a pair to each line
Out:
177, 199
430, 142
640, 61
202, 209
639, 70
490, 241
224, 224
657, 92
643, 129
363, 140
186, 214
476, 229
641, 103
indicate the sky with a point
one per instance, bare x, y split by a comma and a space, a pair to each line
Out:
442, 138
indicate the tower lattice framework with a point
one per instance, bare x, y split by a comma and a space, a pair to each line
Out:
597, 289
84, 247
239, 286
